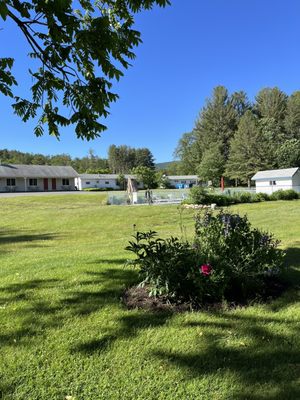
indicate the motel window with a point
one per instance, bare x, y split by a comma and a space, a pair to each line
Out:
106, 182
33, 182
10, 182
97, 181
87, 183
65, 182
272, 183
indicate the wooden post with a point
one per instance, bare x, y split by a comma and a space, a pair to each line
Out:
222, 183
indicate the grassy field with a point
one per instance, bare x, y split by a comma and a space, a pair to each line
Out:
64, 332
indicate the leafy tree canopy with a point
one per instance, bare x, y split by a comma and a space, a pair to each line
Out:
146, 175
248, 150
288, 154
212, 165
81, 47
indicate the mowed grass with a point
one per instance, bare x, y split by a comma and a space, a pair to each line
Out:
64, 331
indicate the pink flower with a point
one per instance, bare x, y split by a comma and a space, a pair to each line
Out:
206, 269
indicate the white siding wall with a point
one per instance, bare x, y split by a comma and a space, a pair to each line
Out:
96, 183
296, 181
263, 186
20, 185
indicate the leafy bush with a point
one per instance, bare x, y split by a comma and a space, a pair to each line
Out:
165, 264
228, 259
106, 189
200, 195
289, 194
241, 256
262, 197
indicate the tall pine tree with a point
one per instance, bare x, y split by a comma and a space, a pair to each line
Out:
247, 150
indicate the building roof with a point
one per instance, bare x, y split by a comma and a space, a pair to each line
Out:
275, 173
36, 171
182, 177
104, 176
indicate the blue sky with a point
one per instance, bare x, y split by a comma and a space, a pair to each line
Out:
187, 49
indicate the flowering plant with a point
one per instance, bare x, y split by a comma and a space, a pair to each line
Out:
228, 259
206, 269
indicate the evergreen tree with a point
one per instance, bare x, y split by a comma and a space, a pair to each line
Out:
247, 150
288, 154
212, 165
189, 152
144, 157
292, 119
240, 103
217, 121
271, 103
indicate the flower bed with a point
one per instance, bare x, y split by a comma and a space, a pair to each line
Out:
228, 260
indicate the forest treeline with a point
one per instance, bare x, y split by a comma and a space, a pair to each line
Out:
121, 159
235, 138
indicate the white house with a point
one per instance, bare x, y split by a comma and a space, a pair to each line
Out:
100, 181
277, 179
182, 181
33, 178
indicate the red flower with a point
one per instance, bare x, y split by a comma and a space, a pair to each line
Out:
206, 269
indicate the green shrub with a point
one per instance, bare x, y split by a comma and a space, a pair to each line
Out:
106, 189
199, 195
166, 265
228, 259
241, 256
262, 196
289, 194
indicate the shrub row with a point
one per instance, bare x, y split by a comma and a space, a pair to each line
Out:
106, 189
199, 195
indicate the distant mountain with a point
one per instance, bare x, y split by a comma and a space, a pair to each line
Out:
165, 165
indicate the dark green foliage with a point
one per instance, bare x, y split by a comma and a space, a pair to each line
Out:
200, 195
271, 103
106, 189
284, 195
228, 259
211, 167
241, 257
146, 175
90, 164
79, 51
167, 265
251, 137
122, 159
247, 150
288, 154
292, 118
189, 152
262, 197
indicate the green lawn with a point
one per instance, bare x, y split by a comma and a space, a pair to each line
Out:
64, 332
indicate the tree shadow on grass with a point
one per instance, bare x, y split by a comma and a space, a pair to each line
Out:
34, 316
11, 236
111, 283
292, 262
259, 352
128, 326
110, 261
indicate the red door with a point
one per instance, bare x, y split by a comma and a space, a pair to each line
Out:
45, 184
53, 184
